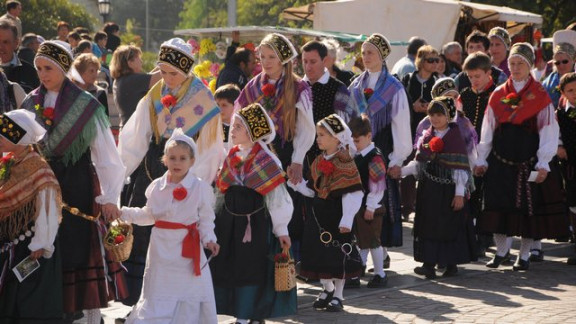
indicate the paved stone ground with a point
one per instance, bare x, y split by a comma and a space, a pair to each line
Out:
544, 294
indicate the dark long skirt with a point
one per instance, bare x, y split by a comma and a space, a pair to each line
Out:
37, 299
243, 272
442, 235
507, 200
327, 260
148, 170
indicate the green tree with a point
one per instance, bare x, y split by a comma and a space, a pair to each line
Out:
42, 16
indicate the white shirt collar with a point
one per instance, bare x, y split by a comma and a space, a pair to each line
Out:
568, 105
367, 149
519, 85
323, 79
187, 182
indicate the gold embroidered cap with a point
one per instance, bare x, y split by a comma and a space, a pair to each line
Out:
443, 86
11, 130
58, 52
259, 125
283, 48
446, 103
381, 43
502, 34
337, 127
523, 51
178, 54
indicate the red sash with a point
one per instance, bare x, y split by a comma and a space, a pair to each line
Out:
190, 244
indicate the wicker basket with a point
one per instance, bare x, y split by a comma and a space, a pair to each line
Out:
285, 273
119, 252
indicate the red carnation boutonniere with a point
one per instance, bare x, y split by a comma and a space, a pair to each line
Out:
326, 167
511, 100
368, 92
168, 101
45, 113
435, 145
180, 193
269, 91
6, 163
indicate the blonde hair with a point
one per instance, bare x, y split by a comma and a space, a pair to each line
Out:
83, 61
422, 53
289, 97
177, 143
122, 55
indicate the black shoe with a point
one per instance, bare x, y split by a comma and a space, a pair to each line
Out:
536, 257
352, 283
256, 322
387, 262
521, 265
496, 261
323, 302
508, 259
335, 305
428, 272
377, 282
571, 260
562, 239
451, 271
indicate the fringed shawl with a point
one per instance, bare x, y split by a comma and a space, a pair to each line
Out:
258, 171
344, 179
19, 192
252, 93
77, 115
194, 108
533, 99
386, 87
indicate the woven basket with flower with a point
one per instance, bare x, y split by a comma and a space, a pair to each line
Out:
118, 241
284, 271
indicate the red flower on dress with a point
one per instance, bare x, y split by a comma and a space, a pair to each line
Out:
281, 258
48, 113
436, 144
512, 100
269, 90
168, 101
368, 92
179, 193
326, 167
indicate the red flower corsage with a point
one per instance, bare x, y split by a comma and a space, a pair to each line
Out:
6, 163
368, 92
326, 167
269, 90
512, 100
168, 101
281, 258
45, 113
179, 193
435, 145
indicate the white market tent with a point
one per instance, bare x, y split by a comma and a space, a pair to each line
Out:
434, 20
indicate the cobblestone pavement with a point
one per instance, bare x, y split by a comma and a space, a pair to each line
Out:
544, 294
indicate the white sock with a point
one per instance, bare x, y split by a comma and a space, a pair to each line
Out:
328, 284
241, 321
525, 245
364, 255
385, 252
339, 288
537, 245
503, 244
93, 316
378, 259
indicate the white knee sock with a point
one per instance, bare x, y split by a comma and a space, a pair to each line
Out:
503, 244
378, 259
525, 246
93, 316
339, 288
364, 255
241, 321
537, 245
328, 284
385, 252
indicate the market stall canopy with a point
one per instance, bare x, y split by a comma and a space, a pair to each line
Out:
258, 32
299, 13
488, 12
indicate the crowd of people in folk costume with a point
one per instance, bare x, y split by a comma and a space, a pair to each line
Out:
325, 165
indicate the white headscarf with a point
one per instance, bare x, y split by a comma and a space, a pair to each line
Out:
178, 135
27, 120
344, 135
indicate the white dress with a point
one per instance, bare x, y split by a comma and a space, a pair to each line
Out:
171, 293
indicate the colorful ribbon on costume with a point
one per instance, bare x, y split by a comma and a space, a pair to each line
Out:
190, 244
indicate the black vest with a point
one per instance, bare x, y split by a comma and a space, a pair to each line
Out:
474, 105
363, 163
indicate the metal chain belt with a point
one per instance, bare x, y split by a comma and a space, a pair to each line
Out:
437, 179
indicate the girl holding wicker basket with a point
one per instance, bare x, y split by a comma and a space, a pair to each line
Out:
177, 284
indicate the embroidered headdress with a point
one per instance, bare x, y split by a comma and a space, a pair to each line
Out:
446, 103
443, 86
283, 48
338, 128
58, 52
523, 51
257, 122
20, 127
178, 54
178, 135
381, 44
502, 34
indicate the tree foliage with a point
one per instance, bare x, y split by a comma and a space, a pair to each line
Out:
42, 16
